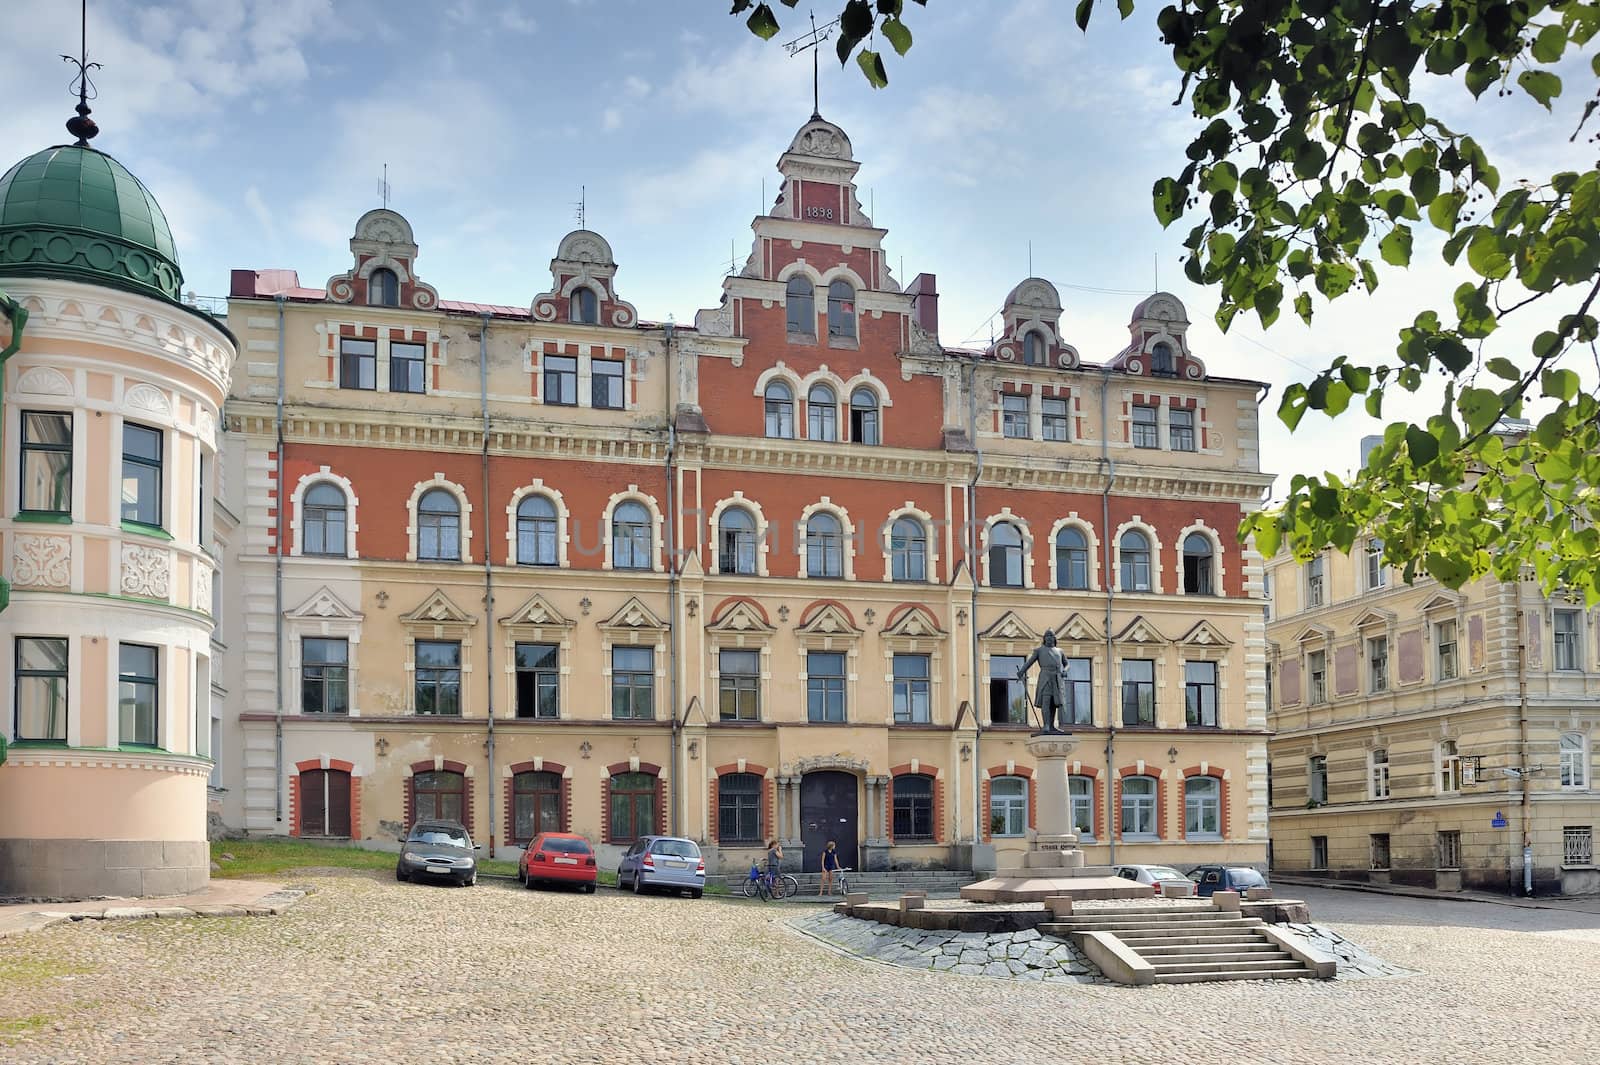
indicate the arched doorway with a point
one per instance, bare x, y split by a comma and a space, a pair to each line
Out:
829, 811
324, 802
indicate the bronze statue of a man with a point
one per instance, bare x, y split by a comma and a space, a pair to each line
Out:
1051, 695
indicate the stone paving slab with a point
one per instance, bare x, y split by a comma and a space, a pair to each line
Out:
999, 955
222, 898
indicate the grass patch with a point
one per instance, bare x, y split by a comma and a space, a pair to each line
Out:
23, 1025
17, 973
277, 857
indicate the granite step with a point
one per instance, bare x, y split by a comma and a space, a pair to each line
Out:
1208, 977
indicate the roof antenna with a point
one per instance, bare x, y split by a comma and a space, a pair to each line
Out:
582, 209
1156, 264
1030, 258
83, 127
811, 41
383, 187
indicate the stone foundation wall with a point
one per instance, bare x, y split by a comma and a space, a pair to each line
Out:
83, 869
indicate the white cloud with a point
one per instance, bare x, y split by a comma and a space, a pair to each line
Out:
711, 175
634, 85
611, 119
515, 21
261, 213
754, 82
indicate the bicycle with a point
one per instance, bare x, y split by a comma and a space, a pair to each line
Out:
768, 886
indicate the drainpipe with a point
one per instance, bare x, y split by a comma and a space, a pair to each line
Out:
972, 573
670, 544
1110, 593
17, 315
277, 590
488, 564
1522, 741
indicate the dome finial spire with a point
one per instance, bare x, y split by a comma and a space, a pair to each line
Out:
83, 127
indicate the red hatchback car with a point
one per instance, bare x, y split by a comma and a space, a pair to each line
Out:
558, 858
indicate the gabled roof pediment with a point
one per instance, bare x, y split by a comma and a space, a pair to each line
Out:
537, 610
438, 609
911, 622
1204, 634
1440, 601
1373, 617
741, 616
633, 615
1313, 633
1010, 627
325, 606
1078, 629
1141, 631
827, 618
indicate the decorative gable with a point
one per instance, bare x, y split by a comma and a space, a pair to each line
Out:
1159, 344
825, 623
1034, 307
1011, 628
537, 612
1314, 634
1078, 629
584, 261
912, 622
383, 240
1441, 602
1204, 634
438, 610
741, 618
324, 606
634, 616
1140, 631
1373, 618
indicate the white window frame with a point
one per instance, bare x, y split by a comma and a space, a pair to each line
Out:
1378, 786
1566, 654
1447, 765
1014, 805
1312, 777
1573, 754
1447, 665
438, 480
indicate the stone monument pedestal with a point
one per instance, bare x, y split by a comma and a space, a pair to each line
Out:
1053, 864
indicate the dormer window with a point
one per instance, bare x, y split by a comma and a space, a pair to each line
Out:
801, 300
1032, 350
584, 307
1162, 361
841, 311
383, 288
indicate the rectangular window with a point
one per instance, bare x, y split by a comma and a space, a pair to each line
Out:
202, 707
1577, 845
739, 808
1200, 694
1053, 419
1078, 690
605, 383
324, 676
1144, 427
739, 685
1568, 642
1317, 672
560, 380
141, 474
1379, 760
1378, 664
1445, 640
538, 667
407, 368
1380, 850
139, 695
1319, 852
1080, 801
41, 688
1006, 703
1377, 572
633, 683
911, 705
1180, 429
358, 363
46, 463
825, 686
1317, 778
438, 678
1449, 768
1014, 417
1449, 850
913, 807
1008, 806
1314, 582
1138, 692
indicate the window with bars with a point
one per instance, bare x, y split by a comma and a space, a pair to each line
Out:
1577, 845
739, 808
739, 685
407, 368
913, 807
1449, 844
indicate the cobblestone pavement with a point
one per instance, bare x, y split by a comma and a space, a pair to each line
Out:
366, 970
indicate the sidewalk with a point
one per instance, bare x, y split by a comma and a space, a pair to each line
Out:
1570, 903
221, 898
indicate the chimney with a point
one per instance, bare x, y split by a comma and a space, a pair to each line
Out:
925, 302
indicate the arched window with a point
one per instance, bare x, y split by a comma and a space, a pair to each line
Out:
736, 541
1139, 806
535, 805
633, 806
1135, 561
841, 310
864, 416
1008, 806
323, 531
908, 550
325, 802
538, 532
1072, 559
1005, 556
1080, 798
1197, 564
913, 807
438, 795
824, 546
801, 299
631, 541
438, 526
1574, 761
383, 288
739, 808
822, 414
780, 411
1161, 360
1202, 807
584, 306
1032, 349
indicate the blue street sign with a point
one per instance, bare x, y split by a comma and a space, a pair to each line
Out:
1499, 820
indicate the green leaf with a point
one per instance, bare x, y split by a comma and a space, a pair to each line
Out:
1551, 42
1421, 445
1424, 181
1168, 197
1479, 407
762, 22
1358, 378
1302, 307
1489, 254
1395, 247
1443, 210
1375, 404
1081, 16
1542, 85
871, 64
1124, 8
1559, 384
897, 33
1503, 368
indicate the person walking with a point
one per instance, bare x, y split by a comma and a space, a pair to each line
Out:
830, 866
774, 862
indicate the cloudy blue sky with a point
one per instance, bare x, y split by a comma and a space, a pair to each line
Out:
262, 126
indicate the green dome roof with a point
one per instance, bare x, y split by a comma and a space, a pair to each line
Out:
75, 213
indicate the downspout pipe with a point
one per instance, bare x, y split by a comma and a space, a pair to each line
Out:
671, 547
1522, 742
972, 548
277, 587
1109, 587
17, 315
488, 567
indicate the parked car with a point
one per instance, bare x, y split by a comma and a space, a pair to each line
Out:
558, 858
1149, 874
438, 850
663, 862
1210, 878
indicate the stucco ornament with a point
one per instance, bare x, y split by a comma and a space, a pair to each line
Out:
41, 561
149, 400
43, 381
146, 572
202, 588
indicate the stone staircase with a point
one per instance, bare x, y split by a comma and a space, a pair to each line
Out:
881, 885
1186, 944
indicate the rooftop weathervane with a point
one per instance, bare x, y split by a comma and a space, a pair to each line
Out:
812, 41
83, 127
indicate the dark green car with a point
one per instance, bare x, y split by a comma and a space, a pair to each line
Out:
440, 851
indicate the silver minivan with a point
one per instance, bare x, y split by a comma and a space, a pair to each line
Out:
663, 862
